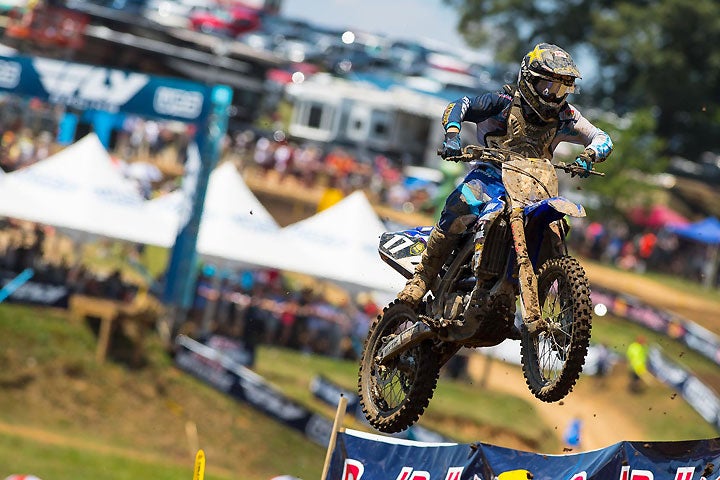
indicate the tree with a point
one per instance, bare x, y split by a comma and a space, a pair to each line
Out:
635, 159
654, 54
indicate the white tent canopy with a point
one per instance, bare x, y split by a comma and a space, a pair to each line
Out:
338, 244
341, 244
235, 225
79, 188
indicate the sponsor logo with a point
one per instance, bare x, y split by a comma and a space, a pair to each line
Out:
87, 86
352, 470
206, 369
176, 102
9, 74
329, 392
418, 248
318, 428
407, 473
465, 106
682, 473
446, 114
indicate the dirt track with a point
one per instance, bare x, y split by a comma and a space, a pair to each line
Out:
701, 311
604, 421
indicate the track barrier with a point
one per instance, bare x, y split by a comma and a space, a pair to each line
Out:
227, 375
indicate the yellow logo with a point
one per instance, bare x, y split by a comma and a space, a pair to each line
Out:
418, 248
515, 475
536, 54
446, 114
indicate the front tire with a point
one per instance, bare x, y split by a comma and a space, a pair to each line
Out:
552, 360
393, 396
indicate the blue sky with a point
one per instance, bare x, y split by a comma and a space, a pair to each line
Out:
401, 19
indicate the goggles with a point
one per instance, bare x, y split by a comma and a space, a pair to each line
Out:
550, 89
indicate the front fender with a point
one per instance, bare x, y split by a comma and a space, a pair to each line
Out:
559, 204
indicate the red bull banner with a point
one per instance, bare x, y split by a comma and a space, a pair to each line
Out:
363, 456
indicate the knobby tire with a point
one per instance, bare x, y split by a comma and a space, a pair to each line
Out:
575, 315
382, 412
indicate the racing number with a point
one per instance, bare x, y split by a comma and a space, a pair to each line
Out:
399, 242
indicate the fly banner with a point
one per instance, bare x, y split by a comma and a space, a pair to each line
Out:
92, 87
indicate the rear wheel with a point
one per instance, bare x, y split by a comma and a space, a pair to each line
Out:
394, 395
552, 360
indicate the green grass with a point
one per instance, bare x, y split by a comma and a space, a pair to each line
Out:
20, 455
63, 416
491, 411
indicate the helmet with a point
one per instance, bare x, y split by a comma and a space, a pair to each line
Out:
547, 75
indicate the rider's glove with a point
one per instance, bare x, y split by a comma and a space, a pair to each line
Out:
451, 147
584, 160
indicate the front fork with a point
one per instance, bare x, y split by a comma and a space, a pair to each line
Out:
529, 301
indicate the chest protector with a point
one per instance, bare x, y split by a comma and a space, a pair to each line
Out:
523, 137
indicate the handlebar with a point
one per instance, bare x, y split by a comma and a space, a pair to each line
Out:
501, 155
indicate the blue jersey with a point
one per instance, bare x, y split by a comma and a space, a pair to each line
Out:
490, 112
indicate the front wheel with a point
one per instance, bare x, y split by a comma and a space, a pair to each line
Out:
552, 360
394, 395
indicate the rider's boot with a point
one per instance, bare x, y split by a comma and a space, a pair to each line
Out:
439, 246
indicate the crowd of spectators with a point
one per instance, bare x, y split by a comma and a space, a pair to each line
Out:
312, 165
55, 260
642, 249
26, 132
264, 306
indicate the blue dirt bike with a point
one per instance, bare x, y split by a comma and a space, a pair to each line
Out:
519, 242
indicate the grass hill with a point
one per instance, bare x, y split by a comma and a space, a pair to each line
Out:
64, 417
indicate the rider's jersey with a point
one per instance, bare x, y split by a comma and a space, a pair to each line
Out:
490, 112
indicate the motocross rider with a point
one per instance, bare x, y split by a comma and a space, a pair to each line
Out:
530, 118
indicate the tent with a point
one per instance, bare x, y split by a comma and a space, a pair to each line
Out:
341, 244
80, 189
705, 231
235, 225
657, 216
337, 244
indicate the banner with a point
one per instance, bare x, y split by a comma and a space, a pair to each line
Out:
35, 292
91, 87
362, 456
228, 376
698, 395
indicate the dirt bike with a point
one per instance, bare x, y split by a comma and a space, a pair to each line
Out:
519, 242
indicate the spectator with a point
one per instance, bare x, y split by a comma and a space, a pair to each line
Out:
637, 365
571, 437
